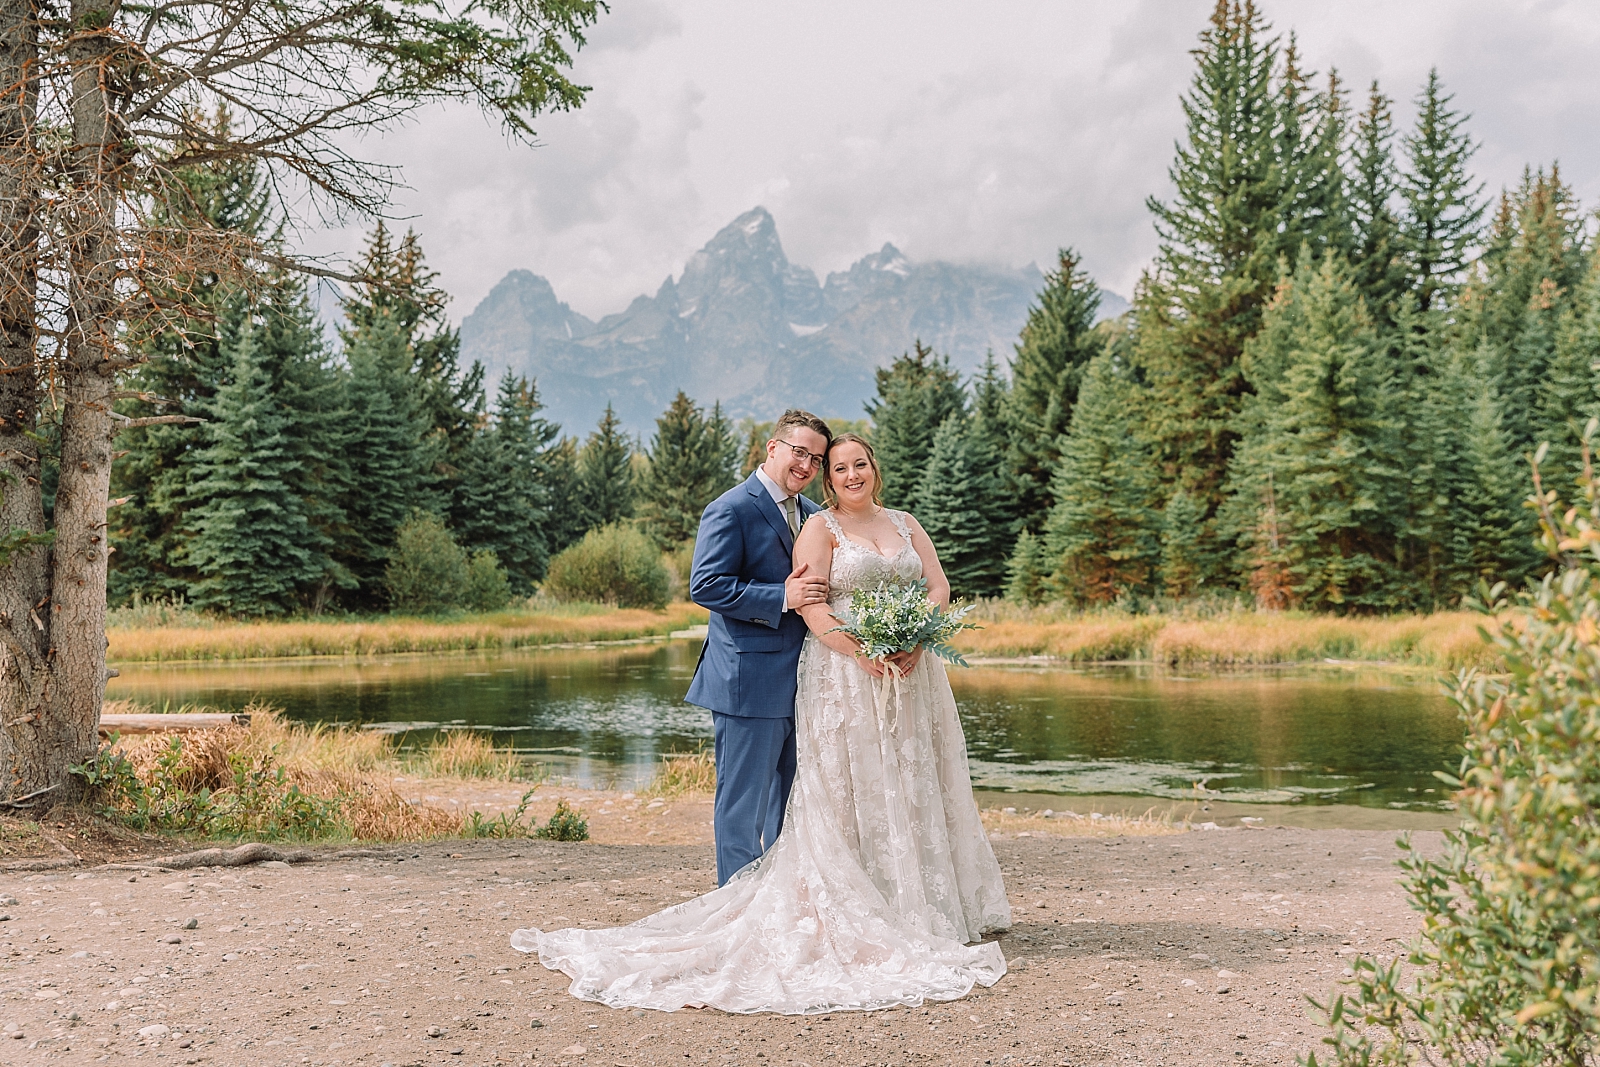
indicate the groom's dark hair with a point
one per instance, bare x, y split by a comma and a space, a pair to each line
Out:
795, 417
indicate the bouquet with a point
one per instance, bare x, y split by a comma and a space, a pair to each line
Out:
901, 618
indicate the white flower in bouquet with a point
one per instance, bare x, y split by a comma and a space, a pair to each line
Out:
901, 618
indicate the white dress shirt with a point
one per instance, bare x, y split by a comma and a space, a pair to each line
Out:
779, 497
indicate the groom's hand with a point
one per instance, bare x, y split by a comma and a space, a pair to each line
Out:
801, 589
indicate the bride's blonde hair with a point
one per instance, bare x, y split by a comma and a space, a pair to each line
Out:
831, 498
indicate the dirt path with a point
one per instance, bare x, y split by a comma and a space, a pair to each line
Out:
1195, 948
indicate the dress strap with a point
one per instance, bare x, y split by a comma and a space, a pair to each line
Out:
899, 520
833, 526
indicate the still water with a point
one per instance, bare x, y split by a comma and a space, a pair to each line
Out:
606, 716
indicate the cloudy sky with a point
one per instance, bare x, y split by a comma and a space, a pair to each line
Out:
993, 132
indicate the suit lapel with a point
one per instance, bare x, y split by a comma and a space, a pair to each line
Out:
770, 511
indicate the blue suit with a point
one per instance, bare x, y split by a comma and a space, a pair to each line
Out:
747, 671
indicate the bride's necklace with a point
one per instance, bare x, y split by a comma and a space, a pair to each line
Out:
859, 524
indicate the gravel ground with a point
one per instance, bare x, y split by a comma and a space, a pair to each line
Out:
1195, 948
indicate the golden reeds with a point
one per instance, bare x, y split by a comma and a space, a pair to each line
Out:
1069, 824
562, 624
332, 763
1445, 640
683, 774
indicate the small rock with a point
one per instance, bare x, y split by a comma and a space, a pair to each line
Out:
186, 1042
172, 939
192, 924
435, 1031
574, 1050
1223, 988
16, 1034
457, 1051
1040, 904
153, 1030
537, 1024
1190, 982
1225, 975
230, 955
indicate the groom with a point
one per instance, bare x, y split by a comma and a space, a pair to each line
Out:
746, 676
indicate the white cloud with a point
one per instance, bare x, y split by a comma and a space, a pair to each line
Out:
992, 132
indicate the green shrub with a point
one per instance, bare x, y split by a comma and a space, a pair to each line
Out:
488, 584
567, 824
1509, 956
427, 570
614, 565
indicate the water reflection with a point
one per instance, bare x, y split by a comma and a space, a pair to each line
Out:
606, 715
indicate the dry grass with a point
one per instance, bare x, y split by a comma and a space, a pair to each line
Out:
684, 774
545, 625
1445, 640
464, 754
1070, 824
331, 762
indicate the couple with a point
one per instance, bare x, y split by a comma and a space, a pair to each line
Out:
869, 892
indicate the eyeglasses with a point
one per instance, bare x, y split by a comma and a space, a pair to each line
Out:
804, 455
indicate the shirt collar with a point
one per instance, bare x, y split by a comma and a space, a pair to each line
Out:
774, 490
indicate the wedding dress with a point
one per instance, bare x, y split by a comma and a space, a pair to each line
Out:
880, 878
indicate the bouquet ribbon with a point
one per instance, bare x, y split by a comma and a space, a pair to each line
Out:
889, 681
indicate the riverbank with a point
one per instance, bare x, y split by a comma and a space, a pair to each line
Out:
1441, 641
1192, 949
192, 637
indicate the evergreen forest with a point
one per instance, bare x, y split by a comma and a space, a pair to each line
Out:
1325, 396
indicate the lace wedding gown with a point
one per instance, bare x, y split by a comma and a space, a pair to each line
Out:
881, 876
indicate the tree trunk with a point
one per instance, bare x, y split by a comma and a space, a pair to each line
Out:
89, 364
25, 569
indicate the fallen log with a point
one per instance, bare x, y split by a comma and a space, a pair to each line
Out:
177, 723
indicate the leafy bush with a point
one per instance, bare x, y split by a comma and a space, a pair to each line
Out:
1509, 956
254, 797
427, 570
488, 585
567, 824
614, 565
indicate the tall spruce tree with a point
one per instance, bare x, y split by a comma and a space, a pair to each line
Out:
1255, 180
1571, 396
389, 455
1182, 575
1058, 341
1534, 265
960, 505
1376, 254
502, 497
1443, 217
250, 542
605, 473
1323, 427
693, 460
1103, 536
569, 514
916, 393
184, 367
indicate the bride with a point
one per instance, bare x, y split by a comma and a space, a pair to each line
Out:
882, 876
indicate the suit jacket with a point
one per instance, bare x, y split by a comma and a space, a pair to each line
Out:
742, 555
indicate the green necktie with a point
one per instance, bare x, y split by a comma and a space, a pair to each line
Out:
793, 513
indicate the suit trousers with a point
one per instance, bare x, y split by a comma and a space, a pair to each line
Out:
755, 770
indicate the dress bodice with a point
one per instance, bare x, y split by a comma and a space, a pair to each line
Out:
857, 566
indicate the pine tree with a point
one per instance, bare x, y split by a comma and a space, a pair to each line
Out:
916, 393
1103, 536
1181, 573
1493, 536
185, 366
1323, 427
569, 514
387, 458
399, 293
502, 501
1534, 265
1057, 343
1376, 253
959, 505
693, 460
1571, 396
251, 546
1255, 179
605, 473
1028, 570
1442, 220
